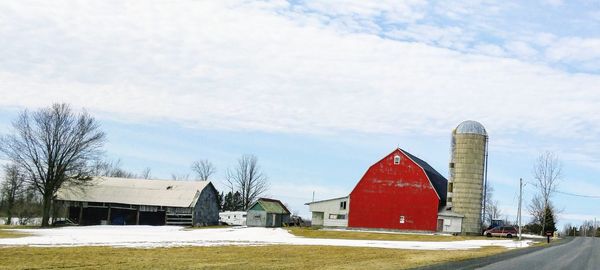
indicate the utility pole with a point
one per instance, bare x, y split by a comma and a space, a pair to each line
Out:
520, 201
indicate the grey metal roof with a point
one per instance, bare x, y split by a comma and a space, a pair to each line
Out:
471, 127
333, 199
135, 191
448, 213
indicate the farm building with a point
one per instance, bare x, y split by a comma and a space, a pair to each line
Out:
267, 213
330, 213
399, 192
122, 201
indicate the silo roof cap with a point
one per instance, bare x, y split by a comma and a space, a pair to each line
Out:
471, 127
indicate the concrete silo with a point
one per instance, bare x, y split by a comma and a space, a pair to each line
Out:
467, 174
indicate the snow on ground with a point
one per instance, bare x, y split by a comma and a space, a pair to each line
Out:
173, 236
533, 236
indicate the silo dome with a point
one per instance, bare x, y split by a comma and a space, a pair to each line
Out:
471, 127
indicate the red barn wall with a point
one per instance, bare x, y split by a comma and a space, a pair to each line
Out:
388, 191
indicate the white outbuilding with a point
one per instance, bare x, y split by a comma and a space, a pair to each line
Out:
330, 213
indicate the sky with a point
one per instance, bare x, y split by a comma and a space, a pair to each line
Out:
319, 90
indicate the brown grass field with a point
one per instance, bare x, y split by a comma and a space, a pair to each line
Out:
317, 233
229, 257
238, 257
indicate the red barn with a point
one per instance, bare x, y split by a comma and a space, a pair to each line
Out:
399, 192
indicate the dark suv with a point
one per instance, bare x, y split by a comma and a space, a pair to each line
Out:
502, 231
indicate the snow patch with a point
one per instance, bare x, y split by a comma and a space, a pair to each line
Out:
174, 236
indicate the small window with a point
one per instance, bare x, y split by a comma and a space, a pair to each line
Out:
451, 165
449, 199
244, 216
343, 205
401, 219
450, 187
396, 160
341, 216
332, 216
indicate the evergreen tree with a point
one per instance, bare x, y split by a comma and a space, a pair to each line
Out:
549, 218
220, 201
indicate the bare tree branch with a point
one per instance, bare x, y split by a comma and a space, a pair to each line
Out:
547, 173
204, 169
55, 147
248, 179
12, 187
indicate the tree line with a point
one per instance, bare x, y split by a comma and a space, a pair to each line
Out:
55, 147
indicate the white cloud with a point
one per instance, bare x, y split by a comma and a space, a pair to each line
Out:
578, 51
229, 65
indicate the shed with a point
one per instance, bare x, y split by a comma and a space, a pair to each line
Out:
124, 201
449, 222
267, 213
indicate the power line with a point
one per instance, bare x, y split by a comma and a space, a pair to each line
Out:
570, 194
578, 195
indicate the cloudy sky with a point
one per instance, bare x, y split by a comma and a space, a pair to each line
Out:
319, 90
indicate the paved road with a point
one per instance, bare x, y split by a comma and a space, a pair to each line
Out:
581, 253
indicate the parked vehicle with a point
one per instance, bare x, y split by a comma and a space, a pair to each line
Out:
233, 218
502, 231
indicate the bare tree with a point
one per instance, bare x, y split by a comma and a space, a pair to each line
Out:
111, 169
146, 173
180, 177
547, 173
492, 210
203, 169
12, 187
536, 209
54, 147
248, 179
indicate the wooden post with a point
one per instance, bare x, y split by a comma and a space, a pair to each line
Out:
80, 221
108, 218
137, 216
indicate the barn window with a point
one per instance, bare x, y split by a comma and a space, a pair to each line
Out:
341, 216
396, 159
450, 187
401, 219
332, 216
449, 199
343, 205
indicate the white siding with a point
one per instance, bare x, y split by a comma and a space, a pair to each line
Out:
329, 209
452, 224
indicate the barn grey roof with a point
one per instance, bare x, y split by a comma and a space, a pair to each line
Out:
471, 127
439, 182
448, 213
326, 200
136, 191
